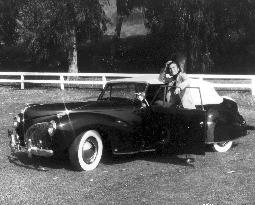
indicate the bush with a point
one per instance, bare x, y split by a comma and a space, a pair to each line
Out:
13, 57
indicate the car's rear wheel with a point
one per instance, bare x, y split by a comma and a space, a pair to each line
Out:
222, 147
86, 151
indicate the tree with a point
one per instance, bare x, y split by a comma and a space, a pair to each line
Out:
8, 15
50, 25
124, 9
199, 28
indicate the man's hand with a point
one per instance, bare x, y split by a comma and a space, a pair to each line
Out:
168, 63
177, 91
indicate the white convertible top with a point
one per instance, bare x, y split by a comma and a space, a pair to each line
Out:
208, 93
147, 78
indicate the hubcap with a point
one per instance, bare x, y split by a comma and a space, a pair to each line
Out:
89, 150
222, 144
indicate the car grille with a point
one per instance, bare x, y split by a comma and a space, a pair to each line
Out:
38, 133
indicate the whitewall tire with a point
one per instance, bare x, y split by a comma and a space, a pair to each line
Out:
86, 151
222, 147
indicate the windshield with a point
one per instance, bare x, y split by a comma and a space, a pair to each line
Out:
120, 91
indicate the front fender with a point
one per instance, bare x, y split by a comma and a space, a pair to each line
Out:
72, 125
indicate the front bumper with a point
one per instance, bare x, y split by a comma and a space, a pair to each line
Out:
29, 148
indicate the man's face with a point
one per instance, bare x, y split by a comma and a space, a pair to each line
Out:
173, 69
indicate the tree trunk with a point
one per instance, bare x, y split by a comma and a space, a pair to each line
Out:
115, 42
120, 19
72, 53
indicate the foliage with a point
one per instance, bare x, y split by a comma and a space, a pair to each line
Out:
208, 32
47, 25
8, 14
203, 31
199, 28
125, 7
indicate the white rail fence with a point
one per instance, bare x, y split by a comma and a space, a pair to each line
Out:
247, 82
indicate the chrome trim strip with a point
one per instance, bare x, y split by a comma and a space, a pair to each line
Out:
126, 153
149, 150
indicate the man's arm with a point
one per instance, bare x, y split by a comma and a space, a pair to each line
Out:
162, 76
185, 81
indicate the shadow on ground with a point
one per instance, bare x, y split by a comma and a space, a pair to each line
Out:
152, 157
46, 164
38, 163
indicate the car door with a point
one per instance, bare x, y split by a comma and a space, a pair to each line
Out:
176, 126
126, 129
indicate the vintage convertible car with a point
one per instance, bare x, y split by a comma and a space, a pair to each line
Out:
127, 119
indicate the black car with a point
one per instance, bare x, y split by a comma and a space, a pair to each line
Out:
126, 119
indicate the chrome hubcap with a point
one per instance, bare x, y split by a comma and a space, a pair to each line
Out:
222, 144
89, 150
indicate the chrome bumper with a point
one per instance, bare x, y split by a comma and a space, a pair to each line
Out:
30, 149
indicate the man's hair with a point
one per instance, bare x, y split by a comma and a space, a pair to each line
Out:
172, 62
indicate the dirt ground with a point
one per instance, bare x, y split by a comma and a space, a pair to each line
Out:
216, 178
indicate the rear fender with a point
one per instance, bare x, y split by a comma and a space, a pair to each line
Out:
223, 126
212, 119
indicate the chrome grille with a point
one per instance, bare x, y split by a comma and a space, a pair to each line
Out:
38, 133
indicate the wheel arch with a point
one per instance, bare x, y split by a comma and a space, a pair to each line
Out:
105, 136
213, 118
75, 124
218, 126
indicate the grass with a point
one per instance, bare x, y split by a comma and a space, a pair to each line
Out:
216, 178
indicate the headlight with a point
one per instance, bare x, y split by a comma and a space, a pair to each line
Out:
16, 121
52, 128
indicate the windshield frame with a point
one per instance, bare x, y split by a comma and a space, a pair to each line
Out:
112, 84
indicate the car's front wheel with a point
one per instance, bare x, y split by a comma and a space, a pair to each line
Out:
222, 147
86, 151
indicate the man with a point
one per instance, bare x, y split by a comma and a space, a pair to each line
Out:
178, 81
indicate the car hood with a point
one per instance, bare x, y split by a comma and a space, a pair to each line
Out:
40, 110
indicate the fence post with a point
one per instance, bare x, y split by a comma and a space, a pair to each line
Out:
104, 80
22, 84
253, 85
62, 85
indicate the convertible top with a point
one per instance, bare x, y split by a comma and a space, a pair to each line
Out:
208, 93
148, 78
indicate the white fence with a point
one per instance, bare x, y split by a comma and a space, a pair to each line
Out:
247, 81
